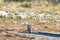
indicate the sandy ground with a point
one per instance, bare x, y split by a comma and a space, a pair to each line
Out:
7, 24
10, 24
25, 37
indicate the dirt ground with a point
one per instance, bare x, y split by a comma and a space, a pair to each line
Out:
17, 25
7, 24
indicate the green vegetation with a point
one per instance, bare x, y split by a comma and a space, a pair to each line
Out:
0, 16
27, 5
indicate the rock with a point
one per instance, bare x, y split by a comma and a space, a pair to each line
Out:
43, 21
10, 35
14, 16
31, 14
41, 15
2, 29
23, 15
14, 21
3, 13
3, 33
46, 27
22, 23
10, 29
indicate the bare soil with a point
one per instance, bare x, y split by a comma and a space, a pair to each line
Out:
7, 24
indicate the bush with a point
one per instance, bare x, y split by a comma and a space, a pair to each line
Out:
0, 16
27, 5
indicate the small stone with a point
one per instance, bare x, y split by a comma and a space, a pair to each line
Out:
9, 35
46, 27
3, 33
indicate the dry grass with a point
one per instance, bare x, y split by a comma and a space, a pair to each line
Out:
42, 7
